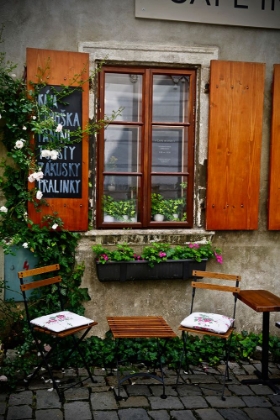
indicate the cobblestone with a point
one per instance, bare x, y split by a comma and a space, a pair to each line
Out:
198, 396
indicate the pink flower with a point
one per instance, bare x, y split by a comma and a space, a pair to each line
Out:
137, 257
105, 257
219, 258
162, 254
193, 246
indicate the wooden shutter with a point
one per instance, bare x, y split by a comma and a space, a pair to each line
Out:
274, 178
235, 134
71, 203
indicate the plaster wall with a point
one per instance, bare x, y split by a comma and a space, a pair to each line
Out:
71, 25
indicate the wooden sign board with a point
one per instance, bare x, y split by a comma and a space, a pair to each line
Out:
65, 182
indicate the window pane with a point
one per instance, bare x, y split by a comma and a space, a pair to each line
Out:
168, 198
169, 150
170, 98
120, 199
124, 90
121, 152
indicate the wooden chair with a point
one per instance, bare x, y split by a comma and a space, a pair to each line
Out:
57, 326
211, 324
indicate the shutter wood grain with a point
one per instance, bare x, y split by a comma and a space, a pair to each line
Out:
274, 170
234, 148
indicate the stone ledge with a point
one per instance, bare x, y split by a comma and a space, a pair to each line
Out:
145, 236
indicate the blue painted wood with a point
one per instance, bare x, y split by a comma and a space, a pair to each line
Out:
22, 260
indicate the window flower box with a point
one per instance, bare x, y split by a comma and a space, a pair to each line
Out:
158, 261
141, 270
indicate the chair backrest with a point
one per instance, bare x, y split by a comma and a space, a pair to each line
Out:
196, 284
42, 282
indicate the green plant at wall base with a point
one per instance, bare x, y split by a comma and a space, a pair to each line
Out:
159, 252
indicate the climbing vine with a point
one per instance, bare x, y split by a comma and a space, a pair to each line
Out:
21, 118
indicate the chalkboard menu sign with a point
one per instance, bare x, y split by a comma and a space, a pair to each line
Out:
62, 176
167, 151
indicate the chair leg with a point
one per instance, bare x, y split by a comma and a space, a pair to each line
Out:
45, 362
182, 357
46, 357
77, 342
226, 374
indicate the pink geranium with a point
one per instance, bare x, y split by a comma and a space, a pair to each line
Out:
219, 258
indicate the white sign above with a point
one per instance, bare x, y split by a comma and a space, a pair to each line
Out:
254, 13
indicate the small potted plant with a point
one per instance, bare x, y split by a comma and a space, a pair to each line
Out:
109, 208
157, 207
174, 209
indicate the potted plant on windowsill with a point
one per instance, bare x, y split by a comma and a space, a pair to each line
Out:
157, 207
119, 210
158, 261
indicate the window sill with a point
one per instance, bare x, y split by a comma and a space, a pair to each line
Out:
142, 236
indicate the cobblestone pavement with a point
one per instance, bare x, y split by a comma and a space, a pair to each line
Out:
198, 396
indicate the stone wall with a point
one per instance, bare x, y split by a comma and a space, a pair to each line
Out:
111, 25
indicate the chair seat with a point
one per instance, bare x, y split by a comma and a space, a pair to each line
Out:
61, 321
204, 321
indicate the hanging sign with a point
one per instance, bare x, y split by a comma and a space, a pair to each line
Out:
63, 176
254, 13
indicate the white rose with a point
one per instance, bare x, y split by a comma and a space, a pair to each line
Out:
45, 153
31, 178
34, 118
59, 128
54, 226
3, 209
39, 195
24, 128
39, 175
25, 245
54, 154
19, 144
3, 378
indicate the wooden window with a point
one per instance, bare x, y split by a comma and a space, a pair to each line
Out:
274, 178
146, 155
65, 183
235, 134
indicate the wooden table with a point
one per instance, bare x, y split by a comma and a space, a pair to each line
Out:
265, 302
141, 327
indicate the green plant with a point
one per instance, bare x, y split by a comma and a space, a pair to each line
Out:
119, 208
158, 252
172, 209
21, 116
109, 205
175, 209
157, 204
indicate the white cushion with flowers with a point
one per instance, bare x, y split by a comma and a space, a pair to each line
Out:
61, 321
215, 323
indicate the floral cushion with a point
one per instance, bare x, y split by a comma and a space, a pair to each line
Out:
61, 321
215, 323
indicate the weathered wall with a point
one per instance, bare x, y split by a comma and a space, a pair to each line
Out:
64, 26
